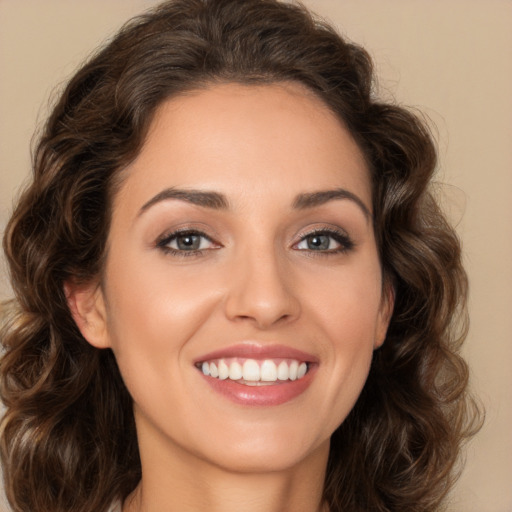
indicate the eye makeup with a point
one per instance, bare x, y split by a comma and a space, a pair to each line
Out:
186, 242
325, 242
321, 241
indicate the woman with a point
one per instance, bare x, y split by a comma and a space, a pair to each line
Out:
233, 287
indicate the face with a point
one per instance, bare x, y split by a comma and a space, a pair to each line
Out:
242, 293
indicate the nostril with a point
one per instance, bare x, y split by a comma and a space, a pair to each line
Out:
261, 293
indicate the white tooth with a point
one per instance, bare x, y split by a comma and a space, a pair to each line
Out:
235, 371
294, 367
206, 368
282, 371
214, 372
268, 371
223, 370
251, 370
303, 368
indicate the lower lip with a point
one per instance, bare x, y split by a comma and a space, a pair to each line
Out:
267, 395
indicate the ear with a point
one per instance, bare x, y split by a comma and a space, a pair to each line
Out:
385, 312
87, 306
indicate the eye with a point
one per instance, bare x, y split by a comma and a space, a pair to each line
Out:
184, 243
327, 241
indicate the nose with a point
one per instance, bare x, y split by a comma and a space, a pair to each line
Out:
261, 290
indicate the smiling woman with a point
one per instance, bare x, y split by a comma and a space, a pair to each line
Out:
277, 305
234, 290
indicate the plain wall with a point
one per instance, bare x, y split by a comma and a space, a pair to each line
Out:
452, 59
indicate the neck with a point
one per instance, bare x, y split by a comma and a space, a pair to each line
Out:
177, 484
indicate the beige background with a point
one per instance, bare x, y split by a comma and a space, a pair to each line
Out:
451, 58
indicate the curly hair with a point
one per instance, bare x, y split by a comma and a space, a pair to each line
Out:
68, 439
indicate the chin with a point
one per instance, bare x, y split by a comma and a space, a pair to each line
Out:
268, 452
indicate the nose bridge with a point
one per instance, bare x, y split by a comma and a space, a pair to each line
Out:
261, 287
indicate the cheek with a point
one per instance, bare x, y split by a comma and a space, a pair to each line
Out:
154, 311
346, 313
347, 303
351, 334
157, 298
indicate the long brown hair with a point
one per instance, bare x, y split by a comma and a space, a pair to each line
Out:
68, 439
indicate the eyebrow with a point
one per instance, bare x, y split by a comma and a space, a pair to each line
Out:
202, 198
312, 199
217, 201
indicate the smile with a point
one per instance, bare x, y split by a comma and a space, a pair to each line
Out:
255, 372
254, 375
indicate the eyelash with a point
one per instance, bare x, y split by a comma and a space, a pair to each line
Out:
346, 244
163, 243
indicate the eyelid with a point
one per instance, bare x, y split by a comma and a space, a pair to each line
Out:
164, 240
341, 237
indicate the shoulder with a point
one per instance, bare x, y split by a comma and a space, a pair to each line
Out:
115, 507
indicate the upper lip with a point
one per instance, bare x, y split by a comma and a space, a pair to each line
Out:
253, 350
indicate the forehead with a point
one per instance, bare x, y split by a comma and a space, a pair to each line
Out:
247, 139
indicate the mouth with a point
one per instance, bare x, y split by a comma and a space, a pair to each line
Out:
254, 375
255, 372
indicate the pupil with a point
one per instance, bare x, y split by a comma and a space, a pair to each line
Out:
318, 242
188, 242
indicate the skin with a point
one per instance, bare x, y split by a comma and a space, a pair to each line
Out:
257, 278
